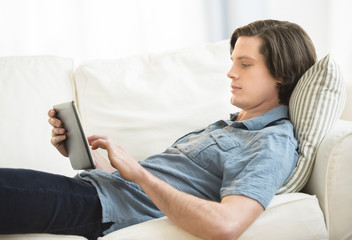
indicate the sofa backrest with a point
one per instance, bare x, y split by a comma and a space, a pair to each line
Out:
146, 102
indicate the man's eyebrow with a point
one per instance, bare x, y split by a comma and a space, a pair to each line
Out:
244, 57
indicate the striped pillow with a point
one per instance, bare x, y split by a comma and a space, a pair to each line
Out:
315, 104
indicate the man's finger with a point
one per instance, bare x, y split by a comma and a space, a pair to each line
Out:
58, 139
95, 137
51, 113
55, 122
58, 131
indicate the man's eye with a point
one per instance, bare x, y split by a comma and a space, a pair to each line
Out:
243, 65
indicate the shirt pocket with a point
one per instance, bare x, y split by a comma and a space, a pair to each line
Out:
224, 140
208, 147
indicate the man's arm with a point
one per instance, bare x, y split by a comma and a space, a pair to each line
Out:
203, 218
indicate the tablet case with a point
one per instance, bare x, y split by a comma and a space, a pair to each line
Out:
76, 143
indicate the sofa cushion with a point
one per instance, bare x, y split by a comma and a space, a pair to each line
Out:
315, 105
29, 87
146, 102
285, 218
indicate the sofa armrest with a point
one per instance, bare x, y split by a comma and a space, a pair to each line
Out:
331, 180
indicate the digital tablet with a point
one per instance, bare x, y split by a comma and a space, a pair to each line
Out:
77, 146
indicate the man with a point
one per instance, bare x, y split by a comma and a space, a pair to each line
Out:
213, 182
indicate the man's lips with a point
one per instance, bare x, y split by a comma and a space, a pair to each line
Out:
235, 88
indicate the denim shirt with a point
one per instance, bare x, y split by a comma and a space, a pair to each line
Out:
252, 158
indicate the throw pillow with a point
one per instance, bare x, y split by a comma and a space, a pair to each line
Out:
315, 105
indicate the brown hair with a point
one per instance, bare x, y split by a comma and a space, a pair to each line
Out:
288, 51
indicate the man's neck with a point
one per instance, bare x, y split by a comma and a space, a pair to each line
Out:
252, 113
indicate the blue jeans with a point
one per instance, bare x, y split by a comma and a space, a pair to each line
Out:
38, 202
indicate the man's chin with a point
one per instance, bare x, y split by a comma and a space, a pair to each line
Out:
234, 101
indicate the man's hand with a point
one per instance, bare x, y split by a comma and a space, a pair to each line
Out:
128, 167
58, 136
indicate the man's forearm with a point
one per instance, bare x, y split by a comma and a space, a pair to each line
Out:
200, 217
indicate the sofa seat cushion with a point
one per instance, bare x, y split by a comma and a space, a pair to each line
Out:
285, 218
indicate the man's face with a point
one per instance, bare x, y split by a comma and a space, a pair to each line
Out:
252, 86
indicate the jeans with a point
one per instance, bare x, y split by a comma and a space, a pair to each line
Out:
38, 202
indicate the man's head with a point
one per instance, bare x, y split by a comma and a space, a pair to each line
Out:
287, 49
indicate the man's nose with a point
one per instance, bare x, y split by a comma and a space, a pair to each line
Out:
233, 74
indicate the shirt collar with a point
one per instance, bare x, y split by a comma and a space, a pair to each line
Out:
263, 120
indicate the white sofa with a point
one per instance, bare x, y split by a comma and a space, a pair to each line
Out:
144, 103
